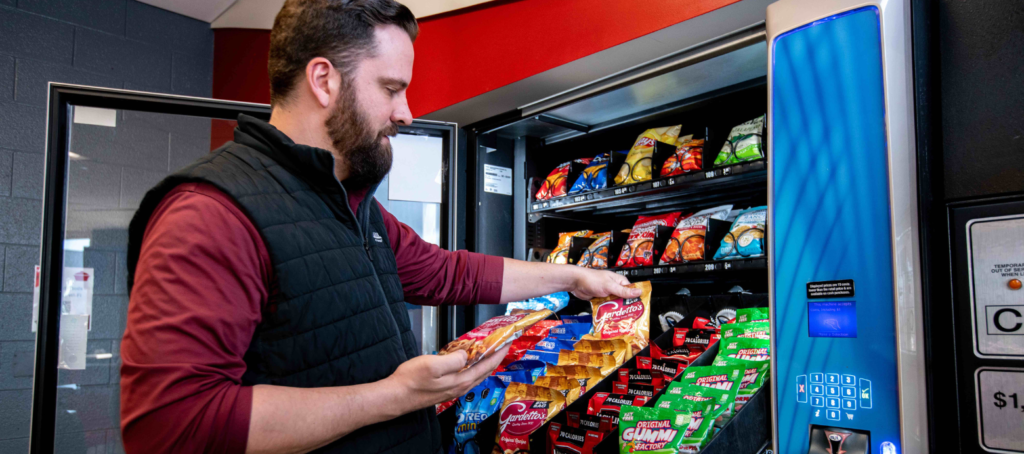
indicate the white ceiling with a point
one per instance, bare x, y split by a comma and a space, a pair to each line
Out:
259, 14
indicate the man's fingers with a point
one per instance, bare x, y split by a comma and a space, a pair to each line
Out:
449, 364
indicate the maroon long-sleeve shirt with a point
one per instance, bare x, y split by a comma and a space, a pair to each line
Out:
202, 279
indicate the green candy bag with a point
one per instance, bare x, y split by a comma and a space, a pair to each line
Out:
723, 399
756, 330
664, 431
743, 144
745, 348
754, 375
726, 378
752, 314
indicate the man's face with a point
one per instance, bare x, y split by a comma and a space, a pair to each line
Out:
370, 107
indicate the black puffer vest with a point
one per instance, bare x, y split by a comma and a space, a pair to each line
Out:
339, 317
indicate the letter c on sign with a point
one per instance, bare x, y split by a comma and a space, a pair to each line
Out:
1000, 326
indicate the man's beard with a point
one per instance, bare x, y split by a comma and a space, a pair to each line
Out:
366, 155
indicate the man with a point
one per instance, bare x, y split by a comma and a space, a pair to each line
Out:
267, 305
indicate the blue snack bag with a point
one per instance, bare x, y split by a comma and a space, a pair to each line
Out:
585, 318
553, 302
516, 376
472, 409
746, 236
594, 177
537, 355
551, 344
524, 371
570, 331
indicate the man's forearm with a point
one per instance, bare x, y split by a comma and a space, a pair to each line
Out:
522, 280
296, 420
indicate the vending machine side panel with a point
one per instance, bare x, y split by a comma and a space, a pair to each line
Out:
847, 350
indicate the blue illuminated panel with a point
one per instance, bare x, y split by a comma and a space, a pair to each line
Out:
835, 358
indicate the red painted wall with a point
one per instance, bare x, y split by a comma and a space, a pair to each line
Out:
469, 52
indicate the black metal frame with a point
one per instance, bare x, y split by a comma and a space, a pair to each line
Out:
61, 97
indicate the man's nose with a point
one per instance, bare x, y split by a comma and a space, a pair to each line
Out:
401, 114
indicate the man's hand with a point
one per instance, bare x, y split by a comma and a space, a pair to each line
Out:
431, 379
596, 284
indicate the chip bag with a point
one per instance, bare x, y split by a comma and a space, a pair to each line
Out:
744, 144
560, 255
556, 183
757, 330
639, 247
553, 302
569, 331
540, 329
594, 177
607, 363
589, 422
537, 355
726, 378
596, 255
616, 317
582, 318
520, 346
689, 157
491, 336
576, 440
525, 410
639, 161
687, 242
571, 388
754, 375
634, 389
752, 349
575, 372
664, 431
669, 370
608, 405
553, 345
752, 314
472, 409
746, 236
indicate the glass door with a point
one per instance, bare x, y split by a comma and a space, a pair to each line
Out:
105, 149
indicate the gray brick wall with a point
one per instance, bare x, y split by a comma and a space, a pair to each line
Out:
109, 43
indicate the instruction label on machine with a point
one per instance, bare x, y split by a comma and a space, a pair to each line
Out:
830, 289
996, 263
497, 180
1001, 405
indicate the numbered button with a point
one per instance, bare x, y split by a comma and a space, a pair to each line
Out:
832, 391
817, 401
849, 380
818, 377
832, 415
832, 402
817, 390
849, 392
832, 379
849, 404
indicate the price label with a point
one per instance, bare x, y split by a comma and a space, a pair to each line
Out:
709, 175
657, 184
1001, 400
727, 171
620, 191
659, 271
727, 265
709, 267
579, 198
671, 181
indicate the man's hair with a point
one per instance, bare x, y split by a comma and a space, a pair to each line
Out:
341, 31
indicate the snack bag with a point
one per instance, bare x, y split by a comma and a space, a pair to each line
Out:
525, 410
553, 302
669, 370
584, 318
594, 177
753, 314
697, 341
523, 371
608, 405
560, 255
754, 375
616, 317
634, 389
569, 331
607, 363
726, 378
596, 255
608, 347
571, 388
752, 349
687, 242
663, 431
576, 440
689, 156
757, 330
556, 182
521, 345
493, 335
575, 372
589, 422
637, 167
540, 329
473, 408
746, 236
679, 355
537, 355
553, 345
743, 144
639, 247
724, 400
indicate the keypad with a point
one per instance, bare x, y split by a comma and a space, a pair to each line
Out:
834, 397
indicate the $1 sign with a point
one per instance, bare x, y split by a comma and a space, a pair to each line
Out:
1000, 401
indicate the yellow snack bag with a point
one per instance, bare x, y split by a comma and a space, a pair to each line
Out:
638, 163
607, 363
526, 409
560, 255
617, 317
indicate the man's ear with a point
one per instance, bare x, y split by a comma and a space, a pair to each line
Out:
322, 80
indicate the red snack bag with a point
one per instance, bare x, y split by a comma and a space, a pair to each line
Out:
689, 156
643, 362
589, 422
557, 181
541, 328
678, 336
608, 405
668, 370
676, 354
526, 409
634, 376
639, 247
441, 407
575, 440
492, 335
520, 346
553, 429
634, 389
